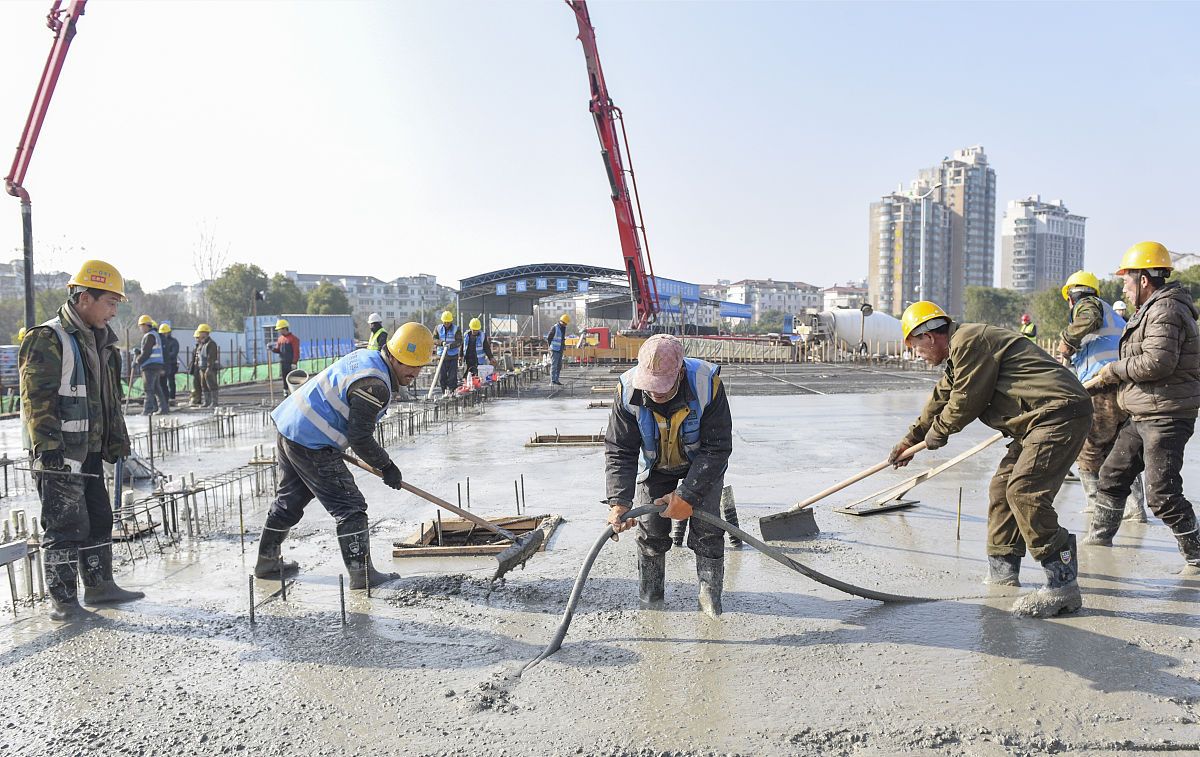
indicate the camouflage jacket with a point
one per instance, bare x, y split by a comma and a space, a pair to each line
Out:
40, 363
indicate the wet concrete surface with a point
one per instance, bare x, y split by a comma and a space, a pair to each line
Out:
428, 665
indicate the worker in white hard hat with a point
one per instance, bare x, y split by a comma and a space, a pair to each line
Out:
150, 360
379, 335
449, 340
1119, 307
557, 339
336, 411
477, 349
287, 346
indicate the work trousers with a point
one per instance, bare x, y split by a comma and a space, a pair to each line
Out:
1107, 417
76, 511
307, 473
447, 377
654, 531
555, 365
1154, 445
152, 383
1021, 508
168, 379
208, 381
284, 370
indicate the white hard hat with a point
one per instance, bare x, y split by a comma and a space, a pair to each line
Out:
1118, 304
374, 318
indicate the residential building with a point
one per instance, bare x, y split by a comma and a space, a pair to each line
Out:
397, 299
1041, 245
762, 295
12, 279
836, 297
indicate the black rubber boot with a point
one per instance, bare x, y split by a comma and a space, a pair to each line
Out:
1003, 570
1090, 481
1061, 592
97, 574
652, 575
1105, 521
711, 573
60, 583
355, 540
1135, 503
729, 513
678, 531
1188, 536
270, 557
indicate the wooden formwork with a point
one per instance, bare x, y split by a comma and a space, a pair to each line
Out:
566, 440
459, 537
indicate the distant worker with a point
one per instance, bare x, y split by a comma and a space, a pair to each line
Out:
150, 360
205, 367
378, 334
668, 442
287, 346
1028, 327
1015, 387
21, 334
1159, 374
478, 349
450, 340
316, 424
72, 424
170, 348
557, 339
1089, 342
1118, 307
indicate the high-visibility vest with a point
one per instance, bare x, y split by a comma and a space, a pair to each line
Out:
376, 343
317, 414
702, 378
1101, 346
72, 393
556, 343
1029, 330
480, 355
155, 353
447, 334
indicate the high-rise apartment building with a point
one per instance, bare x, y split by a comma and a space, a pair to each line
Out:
960, 226
1041, 244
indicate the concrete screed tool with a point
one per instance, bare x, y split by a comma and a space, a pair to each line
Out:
523, 547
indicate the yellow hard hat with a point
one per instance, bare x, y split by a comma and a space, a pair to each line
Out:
1146, 255
475, 325
917, 314
21, 334
165, 328
447, 316
281, 324
565, 318
203, 328
96, 274
1080, 279
145, 320
412, 344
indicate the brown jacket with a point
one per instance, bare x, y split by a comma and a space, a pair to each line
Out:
1004, 380
1160, 357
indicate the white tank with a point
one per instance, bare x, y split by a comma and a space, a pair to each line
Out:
847, 329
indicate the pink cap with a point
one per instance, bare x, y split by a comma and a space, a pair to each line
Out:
659, 361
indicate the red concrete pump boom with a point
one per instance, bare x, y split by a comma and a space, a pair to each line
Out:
632, 231
62, 23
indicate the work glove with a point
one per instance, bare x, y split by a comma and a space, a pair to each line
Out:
52, 459
1107, 375
897, 451
615, 513
934, 439
391, 476
677, 507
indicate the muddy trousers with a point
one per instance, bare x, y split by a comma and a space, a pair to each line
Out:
152, 382
1021, 511
728, 514
77, 518
1107, 417
447, 377
1154, 446
305, 474
654, 531
209, 384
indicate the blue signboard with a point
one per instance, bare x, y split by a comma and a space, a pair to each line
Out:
736, 310
540, 283
583, 286
561, 285
789, 322
501, 289
670, 288
521, 285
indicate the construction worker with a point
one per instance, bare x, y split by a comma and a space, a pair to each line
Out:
1159, 374
668, 442
21, 334
557, 339
1015, 387
449, 342
287, 346
1028, 327
170, 348
1118, 307
150, 360
72, 423
1089, 342
339, 409
205, 367
478, 349
378, 334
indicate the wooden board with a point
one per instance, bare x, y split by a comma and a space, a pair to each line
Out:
596, 404
128, 532
566, 440
891, 504
424, 542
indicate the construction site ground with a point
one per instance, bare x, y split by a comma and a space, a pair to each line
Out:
428, 665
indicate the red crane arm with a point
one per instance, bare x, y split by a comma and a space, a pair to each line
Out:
62, 23
631, 230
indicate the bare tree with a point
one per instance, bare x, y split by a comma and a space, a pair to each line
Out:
209, 258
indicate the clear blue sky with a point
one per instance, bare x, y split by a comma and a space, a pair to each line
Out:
453, 138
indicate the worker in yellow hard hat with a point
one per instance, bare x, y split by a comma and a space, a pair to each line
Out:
477, 349
21, 334
1158, 373
450, 341
149, 358
338, 410
557, 339
170, 348
1087, 344
205, 368
71, 412
1012, 385
287, 346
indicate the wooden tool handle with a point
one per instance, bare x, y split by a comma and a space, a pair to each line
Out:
858, 477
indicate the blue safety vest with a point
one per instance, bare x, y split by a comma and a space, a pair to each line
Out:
702, 378
556, 344
72, 394
1101, 346
480, 355
447, 335
155, 353
316, 415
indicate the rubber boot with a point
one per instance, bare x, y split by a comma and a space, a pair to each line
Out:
678, 531
1090, 481
60, 583
652, 574
1003, 570
1188, 535
1135, 503
96, 570
270, 558
729, 513
710, 571
213, 398
355, 540
1105, 521
1061, 592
